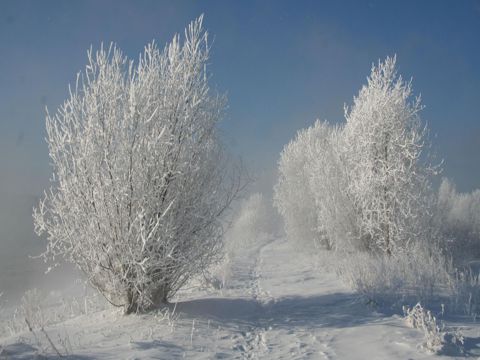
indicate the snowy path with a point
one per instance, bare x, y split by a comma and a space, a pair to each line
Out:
305, 314
278, 304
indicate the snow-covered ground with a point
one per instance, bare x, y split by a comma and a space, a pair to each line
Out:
277, 303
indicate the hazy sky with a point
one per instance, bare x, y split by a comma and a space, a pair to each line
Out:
282, 63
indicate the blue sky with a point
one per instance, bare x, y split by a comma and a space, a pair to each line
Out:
283, 64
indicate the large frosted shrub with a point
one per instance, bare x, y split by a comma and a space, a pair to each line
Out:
140, 178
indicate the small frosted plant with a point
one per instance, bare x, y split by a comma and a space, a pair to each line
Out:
437, 338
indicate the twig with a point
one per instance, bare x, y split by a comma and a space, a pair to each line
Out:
51, 342
30, 328
191, 335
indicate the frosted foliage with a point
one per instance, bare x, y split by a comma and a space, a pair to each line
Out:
364, 184
421, 275
293, 196
460, 219
437, 338
140, 178
328, 180
388, 173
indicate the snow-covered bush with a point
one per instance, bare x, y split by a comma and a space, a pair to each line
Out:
466, 284
41, 310
419, 318
31, 309
459, 218
140, 180
436, 338
419, 274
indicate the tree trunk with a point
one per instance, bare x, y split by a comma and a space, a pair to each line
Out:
132, 305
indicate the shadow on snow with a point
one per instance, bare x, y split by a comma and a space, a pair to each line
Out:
23, 350
337, 310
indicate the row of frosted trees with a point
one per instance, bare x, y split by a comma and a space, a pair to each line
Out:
364, 184
141, 181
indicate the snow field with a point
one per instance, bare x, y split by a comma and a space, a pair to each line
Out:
278, 303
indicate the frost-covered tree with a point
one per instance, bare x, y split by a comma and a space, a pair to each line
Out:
364, 184
388, 171
293, 196
140, 178
311, 192
328, 181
